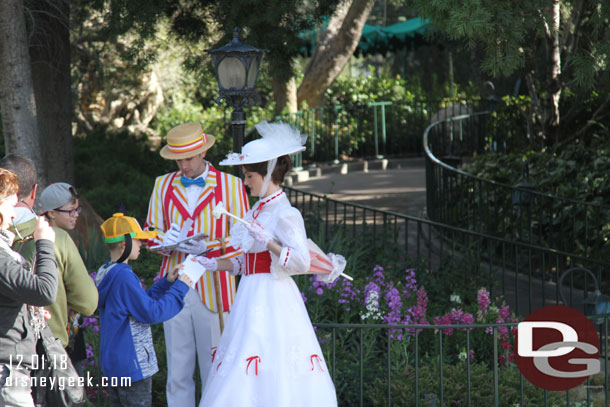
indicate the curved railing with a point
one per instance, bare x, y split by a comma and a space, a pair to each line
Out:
506, 244
455, 197
523, 273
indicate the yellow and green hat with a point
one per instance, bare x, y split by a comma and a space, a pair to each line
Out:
119, 225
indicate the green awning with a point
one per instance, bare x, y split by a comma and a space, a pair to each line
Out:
377, 39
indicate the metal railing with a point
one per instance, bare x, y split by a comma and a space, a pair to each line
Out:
525, 274
457, 198
426, 368
430, 367
366, 130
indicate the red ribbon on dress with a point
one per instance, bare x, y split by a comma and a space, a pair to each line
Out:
319, 362
256, 360
213, 353
259, 208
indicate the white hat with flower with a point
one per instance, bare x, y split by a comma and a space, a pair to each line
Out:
277, 139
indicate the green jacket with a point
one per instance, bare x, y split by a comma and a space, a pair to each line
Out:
75, 288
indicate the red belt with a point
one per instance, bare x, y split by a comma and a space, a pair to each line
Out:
258, 263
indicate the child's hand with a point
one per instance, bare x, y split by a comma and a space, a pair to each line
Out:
185, 279
173, 274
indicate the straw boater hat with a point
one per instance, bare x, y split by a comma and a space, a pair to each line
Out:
186, 141
277, 139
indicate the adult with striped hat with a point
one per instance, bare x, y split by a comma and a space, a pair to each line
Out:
183, 200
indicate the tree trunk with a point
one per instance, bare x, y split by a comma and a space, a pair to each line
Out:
50, 56
17, 100
551, 116
285, 94
333, 51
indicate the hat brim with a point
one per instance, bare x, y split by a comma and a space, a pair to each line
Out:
239, 159
169, 155
143, 235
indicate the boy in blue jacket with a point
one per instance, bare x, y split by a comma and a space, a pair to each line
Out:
127, 311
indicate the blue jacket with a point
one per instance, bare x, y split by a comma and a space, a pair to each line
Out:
126, 312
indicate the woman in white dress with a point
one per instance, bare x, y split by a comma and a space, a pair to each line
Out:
268, 354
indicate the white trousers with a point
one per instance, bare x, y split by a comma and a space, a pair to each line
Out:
189, 336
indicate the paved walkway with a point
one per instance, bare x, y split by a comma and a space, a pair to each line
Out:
399, 189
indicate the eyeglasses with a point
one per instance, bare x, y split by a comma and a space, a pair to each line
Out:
72, 212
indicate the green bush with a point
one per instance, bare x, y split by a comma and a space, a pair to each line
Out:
116, 172
455, 387
586, 229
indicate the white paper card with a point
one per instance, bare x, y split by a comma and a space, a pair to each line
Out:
192, 269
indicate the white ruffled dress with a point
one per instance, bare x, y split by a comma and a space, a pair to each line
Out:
269, 354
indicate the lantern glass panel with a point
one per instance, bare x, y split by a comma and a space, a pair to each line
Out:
231, 73
253, 71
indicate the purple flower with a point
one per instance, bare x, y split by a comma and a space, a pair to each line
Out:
303, 296
444, 320
89, 351
89, 321
370, 288
483, 300
468, 319
504, 312
410, 283
93, 275
319, 291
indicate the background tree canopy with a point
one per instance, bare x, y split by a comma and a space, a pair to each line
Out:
561, 47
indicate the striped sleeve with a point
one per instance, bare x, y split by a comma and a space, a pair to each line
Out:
155, 217
236, 201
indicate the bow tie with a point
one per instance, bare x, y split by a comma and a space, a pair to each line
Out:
187, 182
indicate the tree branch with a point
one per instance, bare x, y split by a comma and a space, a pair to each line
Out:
596, 117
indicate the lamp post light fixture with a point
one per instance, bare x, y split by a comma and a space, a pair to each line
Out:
236, 67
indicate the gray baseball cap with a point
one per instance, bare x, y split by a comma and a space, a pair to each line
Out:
57, 195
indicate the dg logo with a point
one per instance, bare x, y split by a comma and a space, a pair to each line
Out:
557, 348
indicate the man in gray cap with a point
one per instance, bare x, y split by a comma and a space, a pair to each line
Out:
76, 290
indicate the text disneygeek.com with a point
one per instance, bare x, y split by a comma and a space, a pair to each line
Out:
61, 362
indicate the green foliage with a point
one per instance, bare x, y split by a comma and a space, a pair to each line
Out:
587, 168
455, 387
453, 278
349, 116
273, 25
511, 35
116, 172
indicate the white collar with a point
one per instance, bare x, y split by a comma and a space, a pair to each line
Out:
274, 195
22, 215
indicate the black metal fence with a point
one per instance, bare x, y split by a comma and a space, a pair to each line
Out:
376, 129
430, 366
520, 213
524, 273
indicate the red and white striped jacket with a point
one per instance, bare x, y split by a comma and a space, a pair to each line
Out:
168, 204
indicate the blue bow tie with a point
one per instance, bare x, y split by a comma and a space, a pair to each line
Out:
187, 182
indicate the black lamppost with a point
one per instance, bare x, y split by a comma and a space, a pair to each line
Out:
236, 68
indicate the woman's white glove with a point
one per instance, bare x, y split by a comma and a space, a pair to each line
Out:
192, 246
172, 235
258, 233
210, 264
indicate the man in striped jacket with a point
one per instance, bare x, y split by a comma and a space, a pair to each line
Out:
189, 195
